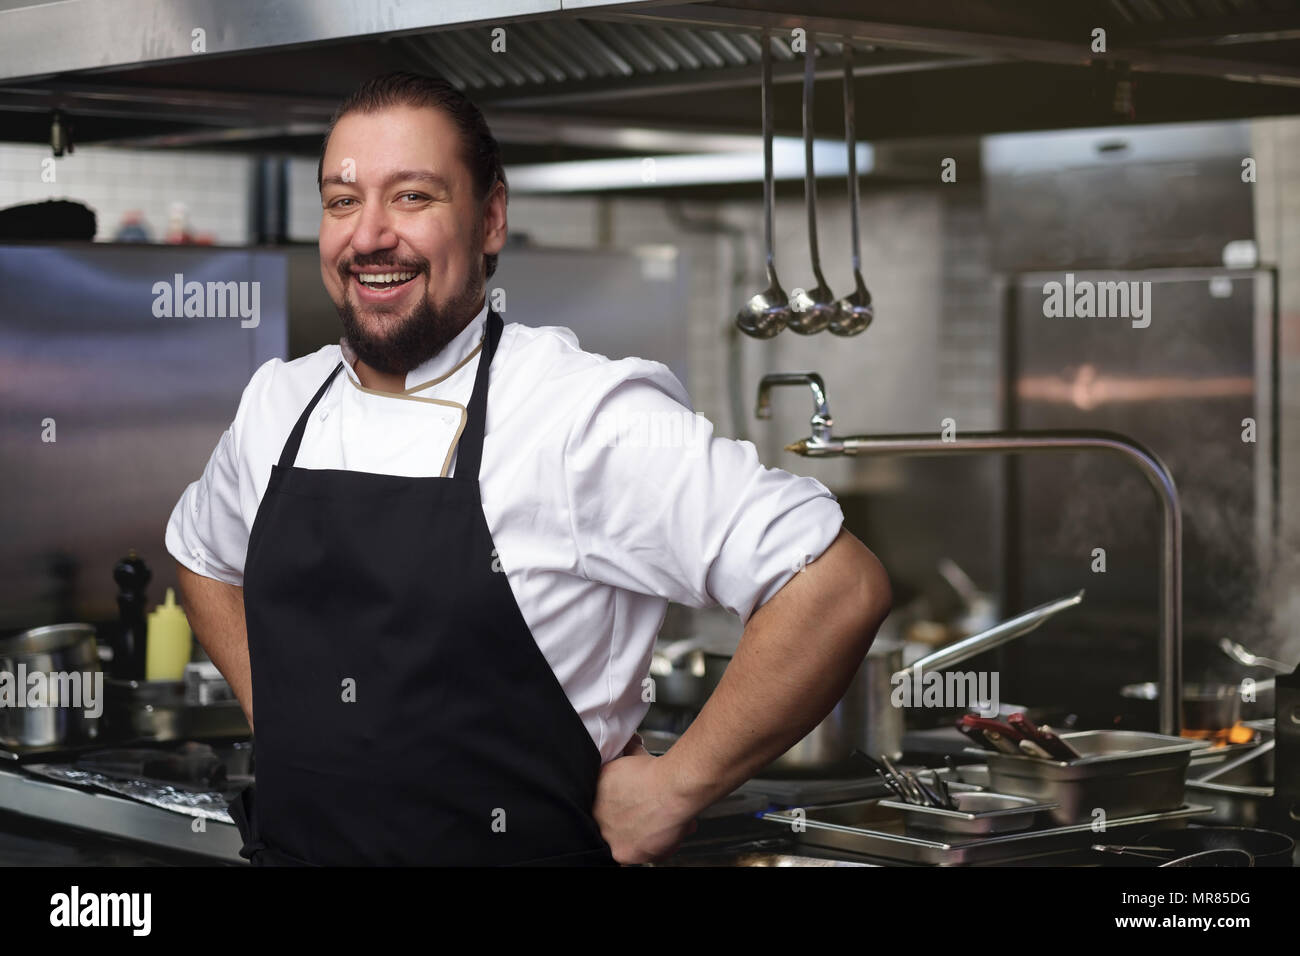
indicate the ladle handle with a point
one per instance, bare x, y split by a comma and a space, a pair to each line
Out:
850, 139
768, 192
810, 177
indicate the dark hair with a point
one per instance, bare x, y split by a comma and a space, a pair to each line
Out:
479, 148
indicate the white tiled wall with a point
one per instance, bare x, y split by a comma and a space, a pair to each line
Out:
303, 201
214, 187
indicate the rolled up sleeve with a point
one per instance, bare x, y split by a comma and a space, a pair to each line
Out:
661, 505
205, 531
209, 528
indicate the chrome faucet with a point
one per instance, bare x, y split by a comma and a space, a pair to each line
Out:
822, 444
821, 418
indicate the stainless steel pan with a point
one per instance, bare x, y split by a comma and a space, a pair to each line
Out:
56, 649
1207, 708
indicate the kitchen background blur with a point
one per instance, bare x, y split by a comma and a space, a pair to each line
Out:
998, 150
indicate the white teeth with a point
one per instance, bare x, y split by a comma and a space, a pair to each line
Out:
385, 278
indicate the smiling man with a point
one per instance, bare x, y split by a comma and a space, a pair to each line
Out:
434, 573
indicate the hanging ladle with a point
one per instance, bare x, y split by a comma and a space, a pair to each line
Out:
767, 312
812, 310
853, 312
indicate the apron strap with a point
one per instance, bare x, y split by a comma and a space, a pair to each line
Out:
469, 453
289, 453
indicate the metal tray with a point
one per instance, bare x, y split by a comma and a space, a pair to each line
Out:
980, 812
866, 828
1120, 772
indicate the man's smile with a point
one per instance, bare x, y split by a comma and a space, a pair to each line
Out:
377, 286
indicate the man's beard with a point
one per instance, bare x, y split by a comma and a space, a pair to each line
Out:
411, 340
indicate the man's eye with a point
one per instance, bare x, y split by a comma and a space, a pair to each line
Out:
417, 196
342, 199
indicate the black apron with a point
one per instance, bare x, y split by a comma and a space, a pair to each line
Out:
405, 715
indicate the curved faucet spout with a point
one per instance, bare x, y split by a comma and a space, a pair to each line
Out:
821, 417
821, 444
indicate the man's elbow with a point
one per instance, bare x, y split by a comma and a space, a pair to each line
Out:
875, 595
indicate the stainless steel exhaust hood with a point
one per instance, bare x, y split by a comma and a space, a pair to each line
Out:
576, 75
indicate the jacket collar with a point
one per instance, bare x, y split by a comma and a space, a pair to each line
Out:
453, 355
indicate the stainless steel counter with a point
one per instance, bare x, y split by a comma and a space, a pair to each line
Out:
45, 823
85, 818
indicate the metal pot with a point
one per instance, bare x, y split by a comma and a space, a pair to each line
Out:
55, 651
161, 710
865, 718
146, 709
1213, 705
1209, 707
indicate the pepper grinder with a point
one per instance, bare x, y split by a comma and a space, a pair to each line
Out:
132, 576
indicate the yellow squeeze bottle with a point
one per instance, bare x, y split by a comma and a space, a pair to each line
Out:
169, 643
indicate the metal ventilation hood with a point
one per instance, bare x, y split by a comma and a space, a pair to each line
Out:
592, 79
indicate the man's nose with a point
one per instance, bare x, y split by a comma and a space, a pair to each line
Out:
374, 231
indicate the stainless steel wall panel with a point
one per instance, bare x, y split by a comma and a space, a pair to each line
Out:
138, 404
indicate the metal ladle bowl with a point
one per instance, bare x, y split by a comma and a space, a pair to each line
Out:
813, 310
853, 312
767, 312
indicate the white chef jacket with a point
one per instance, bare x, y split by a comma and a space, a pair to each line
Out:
606, 496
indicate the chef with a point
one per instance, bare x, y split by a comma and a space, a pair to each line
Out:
432, 560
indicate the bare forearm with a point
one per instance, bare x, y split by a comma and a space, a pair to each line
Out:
796, 658
216, 614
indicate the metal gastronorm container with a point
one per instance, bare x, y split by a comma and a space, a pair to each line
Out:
1123, 772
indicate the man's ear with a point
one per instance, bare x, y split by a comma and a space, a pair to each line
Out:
495, 226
